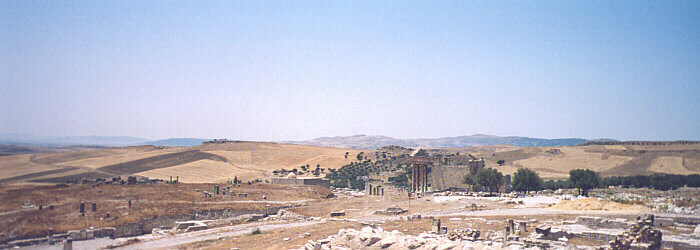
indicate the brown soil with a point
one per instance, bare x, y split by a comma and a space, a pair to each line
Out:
593, 204
160, 161
152, 200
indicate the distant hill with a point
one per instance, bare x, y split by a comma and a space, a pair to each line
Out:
103, 141
377, 141
355, 141
173, 142
108, 141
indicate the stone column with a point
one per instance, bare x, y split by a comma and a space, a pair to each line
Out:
511, 225
413, 177
436, 226
523, 226
68, 244
424, 177
50, 236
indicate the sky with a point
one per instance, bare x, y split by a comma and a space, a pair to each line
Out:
297, 70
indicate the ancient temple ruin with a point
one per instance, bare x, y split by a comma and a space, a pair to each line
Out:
441, 172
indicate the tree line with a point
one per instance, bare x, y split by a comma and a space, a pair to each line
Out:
526, 180
655, 181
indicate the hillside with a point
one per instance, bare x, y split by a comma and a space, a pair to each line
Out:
378, 141
608, 160
218, 162
205, 163
176, 142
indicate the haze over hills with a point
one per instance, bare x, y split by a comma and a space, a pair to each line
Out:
106, 141
377, 141
174, 142
354, 141
32, 140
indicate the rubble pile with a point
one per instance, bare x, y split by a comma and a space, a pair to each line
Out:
287, 215
347, 192
641, 235
377, 238
391, 211
680, 201
463, 234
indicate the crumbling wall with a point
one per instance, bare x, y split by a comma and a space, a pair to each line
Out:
598, 222
447, 177
285, 181
317, 182
129, 230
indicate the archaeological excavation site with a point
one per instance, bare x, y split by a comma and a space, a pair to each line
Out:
251, 195
351, 124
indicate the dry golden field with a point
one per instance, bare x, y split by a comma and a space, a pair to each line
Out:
220, 162
199, 164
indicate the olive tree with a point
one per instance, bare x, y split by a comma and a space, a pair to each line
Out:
584, 180
489, 178
526, 180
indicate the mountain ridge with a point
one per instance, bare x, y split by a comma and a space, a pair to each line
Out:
377, 141
106, 141
353, 141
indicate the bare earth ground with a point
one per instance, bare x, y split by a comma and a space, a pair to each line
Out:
147, 201
204, 164
359, 211
165, 199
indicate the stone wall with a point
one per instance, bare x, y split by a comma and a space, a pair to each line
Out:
301, 181
285, 181
598, 222
317, 182
447, 177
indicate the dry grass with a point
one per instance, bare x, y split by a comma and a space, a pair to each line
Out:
253, 160
202, 171
559, 165
148, 201
669, 165
16, 165
121, 156
593, 204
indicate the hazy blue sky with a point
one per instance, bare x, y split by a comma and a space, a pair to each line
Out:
300, 69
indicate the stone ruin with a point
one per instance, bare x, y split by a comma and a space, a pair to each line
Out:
190, 226
437, 228
464, 234
177, 180
391, 211
337, 213
641, 235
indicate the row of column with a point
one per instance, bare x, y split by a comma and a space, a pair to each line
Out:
419, 178
378, 190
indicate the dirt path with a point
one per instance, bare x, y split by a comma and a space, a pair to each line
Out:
527, 211
242, 168
170, 241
